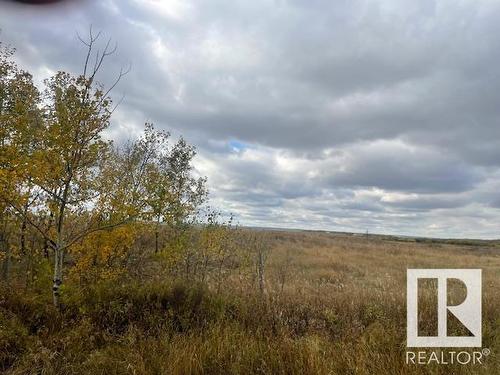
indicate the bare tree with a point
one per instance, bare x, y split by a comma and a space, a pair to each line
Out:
258, 244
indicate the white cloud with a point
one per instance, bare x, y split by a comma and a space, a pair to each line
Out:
352, 115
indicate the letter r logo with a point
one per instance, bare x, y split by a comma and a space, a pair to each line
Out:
468, 312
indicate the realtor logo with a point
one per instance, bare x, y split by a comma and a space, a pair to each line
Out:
468, 312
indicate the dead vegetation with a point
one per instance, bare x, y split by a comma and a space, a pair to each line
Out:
332, 304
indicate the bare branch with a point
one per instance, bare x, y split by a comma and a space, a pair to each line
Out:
100, 57
89, 44
25, 215
122, 74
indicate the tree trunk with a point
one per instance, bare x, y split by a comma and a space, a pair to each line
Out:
23, 235
157, 234
4, 249
29, 264
7, 258
45, 241
58, 267
59, 248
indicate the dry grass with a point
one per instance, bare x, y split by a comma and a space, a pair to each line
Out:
335, 304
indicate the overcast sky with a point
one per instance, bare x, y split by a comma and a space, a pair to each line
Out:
339, 115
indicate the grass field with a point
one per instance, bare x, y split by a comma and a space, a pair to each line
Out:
333, 304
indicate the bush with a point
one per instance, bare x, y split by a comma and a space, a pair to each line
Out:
152, 307
13, 339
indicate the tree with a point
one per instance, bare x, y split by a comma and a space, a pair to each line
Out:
66, 163
75, 189
6, 72
172, 192
20, 119
258, 246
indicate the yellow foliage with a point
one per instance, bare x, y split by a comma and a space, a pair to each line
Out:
103, 254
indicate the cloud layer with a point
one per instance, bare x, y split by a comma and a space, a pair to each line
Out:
347, 115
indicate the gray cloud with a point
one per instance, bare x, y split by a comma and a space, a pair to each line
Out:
346, 115
397, 167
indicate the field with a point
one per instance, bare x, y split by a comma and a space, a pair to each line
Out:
332, 304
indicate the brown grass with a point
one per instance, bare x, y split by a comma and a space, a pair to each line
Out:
340, 310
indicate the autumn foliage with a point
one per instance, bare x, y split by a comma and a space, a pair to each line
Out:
71, 197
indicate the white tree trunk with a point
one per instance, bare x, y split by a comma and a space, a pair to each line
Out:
58, 266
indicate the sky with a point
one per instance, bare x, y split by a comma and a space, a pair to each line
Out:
348, 115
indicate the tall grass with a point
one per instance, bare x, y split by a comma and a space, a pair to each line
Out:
341, 310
